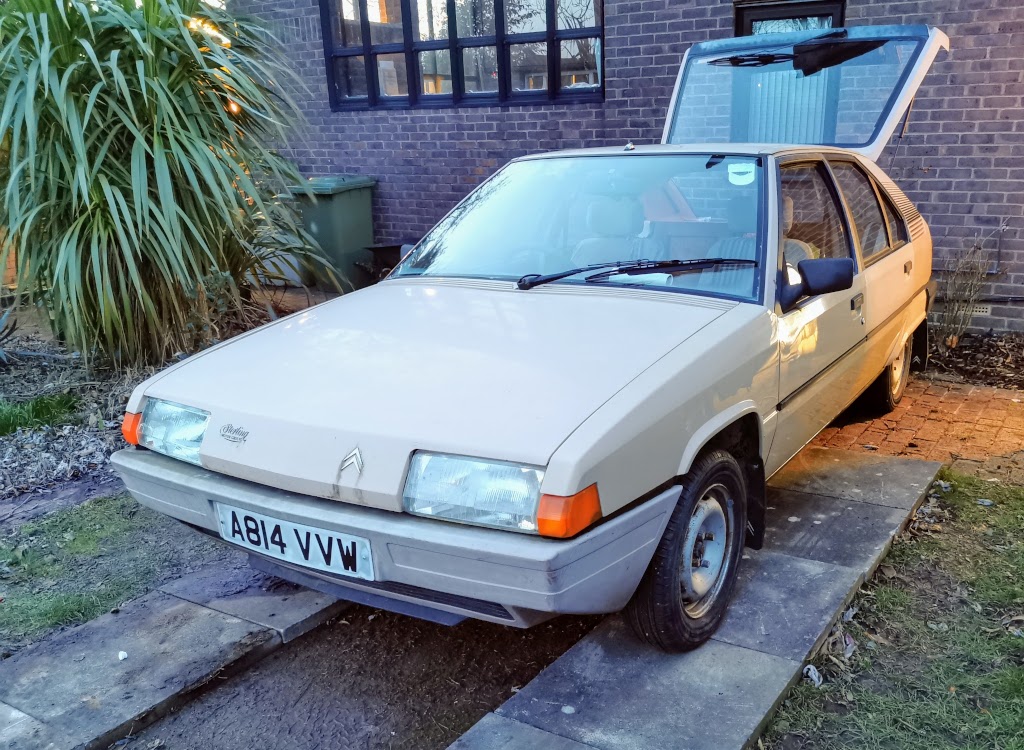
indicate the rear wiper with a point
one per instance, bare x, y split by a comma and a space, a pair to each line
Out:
669, 266
768, 56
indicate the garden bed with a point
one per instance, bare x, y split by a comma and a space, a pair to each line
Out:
984, 359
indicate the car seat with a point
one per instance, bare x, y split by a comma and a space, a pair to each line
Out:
616, 224
741, 218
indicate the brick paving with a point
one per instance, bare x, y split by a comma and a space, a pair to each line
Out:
938, 421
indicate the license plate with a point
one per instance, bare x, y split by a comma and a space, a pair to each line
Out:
310, 547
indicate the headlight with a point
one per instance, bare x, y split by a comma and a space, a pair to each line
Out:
485, 493
172, 429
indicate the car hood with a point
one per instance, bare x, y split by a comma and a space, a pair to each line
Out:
332, 401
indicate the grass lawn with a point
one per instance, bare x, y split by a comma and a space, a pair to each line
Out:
39, 411
78, 563
937, 639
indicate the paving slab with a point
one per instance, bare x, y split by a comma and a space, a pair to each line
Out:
830, 529
240, 591
75, 684
784, 605
613, 692
19, 731
495, 732
855, 475
832, 516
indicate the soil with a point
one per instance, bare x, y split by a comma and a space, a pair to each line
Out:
984, 359
370, 679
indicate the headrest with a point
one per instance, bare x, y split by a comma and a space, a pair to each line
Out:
615, 217
742, 215
787, 213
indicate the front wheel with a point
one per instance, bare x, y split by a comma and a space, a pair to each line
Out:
686, 589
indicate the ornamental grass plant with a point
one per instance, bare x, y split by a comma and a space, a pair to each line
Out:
138, 168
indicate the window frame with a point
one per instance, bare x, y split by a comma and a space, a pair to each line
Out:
501, 41
822, 166
748, 11
883, 200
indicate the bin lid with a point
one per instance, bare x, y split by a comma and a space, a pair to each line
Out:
333, 184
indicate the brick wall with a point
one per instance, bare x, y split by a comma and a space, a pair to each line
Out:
962, 161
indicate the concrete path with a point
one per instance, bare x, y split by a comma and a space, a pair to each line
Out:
832, 516
91, 685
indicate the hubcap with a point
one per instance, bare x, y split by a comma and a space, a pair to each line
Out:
899, 369
705, 549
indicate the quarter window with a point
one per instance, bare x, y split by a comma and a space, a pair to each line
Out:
405, 53
897, 229
812, 226
862, 202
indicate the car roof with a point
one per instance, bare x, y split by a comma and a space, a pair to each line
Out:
682, 149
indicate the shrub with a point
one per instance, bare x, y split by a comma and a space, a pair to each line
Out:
140, 165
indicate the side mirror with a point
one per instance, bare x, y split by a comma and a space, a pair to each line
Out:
817, 276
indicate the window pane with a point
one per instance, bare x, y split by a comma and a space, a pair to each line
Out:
803, 23
897, 229
345, 29
391, 75
350, 78
433, 19
529, 66
480, 70
385, 21
581, 64
811, 223
577, 212
864, 209
474, 17
525, 15
578, 14
436, 72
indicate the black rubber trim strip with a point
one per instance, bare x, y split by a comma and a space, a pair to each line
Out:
800, 389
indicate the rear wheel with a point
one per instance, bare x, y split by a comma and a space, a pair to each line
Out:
686, 589
888, 389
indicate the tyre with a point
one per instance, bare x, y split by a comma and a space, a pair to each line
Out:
684, 593
888, 389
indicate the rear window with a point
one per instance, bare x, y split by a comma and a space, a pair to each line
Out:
834, 92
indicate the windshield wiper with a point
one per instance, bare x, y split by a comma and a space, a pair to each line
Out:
536, 279
632, 268
669, 266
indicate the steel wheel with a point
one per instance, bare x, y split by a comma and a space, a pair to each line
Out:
899, 371
705, 549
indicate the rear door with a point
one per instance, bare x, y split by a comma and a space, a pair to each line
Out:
837, 87
820, 340
891, 281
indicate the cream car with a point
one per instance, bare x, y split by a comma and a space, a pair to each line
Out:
569, 394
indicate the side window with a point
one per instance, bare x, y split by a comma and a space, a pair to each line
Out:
865, 212
897, 228
812, 226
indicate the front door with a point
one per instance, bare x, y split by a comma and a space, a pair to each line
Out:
821, 339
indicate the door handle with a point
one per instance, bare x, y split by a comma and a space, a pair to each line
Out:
857, 302
908, 266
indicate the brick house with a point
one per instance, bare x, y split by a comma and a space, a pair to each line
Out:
432, 113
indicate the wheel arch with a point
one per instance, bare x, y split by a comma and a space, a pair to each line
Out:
740, 431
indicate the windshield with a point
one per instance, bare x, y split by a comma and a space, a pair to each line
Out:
546, 216
834, 92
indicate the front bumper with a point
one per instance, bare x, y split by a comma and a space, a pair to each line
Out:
499, 576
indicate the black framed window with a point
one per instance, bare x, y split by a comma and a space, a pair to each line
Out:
754, 17
422, 53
